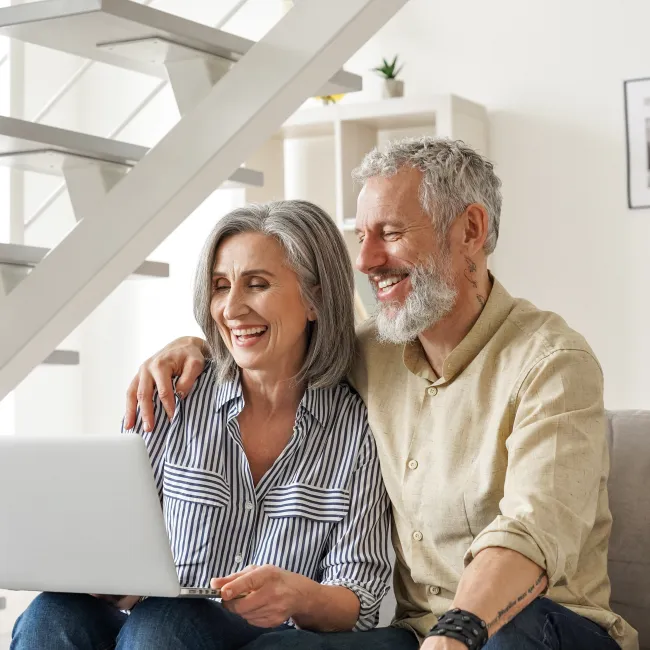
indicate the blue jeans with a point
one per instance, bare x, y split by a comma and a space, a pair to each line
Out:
81, 622
78, 622
543, 625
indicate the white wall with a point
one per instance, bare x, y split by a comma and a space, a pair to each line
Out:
551, 75
6, 405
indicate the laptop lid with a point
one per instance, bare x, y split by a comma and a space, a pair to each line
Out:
81, 514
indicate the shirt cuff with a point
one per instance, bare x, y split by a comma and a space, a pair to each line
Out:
505, 532
368, 602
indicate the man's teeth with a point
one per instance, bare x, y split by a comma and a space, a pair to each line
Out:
249, 331
387, 282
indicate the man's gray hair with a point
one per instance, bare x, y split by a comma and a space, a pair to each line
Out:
316, 251
454, 176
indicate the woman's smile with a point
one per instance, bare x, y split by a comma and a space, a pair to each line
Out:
245, 337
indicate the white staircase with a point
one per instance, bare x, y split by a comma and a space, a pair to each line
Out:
233, 95
28, 257
136, 36
50, 150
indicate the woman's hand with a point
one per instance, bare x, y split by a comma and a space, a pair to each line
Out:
265, 596
182, 358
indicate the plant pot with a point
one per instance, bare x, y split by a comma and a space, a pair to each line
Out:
393, 88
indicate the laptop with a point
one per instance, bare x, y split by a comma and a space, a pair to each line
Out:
82, 514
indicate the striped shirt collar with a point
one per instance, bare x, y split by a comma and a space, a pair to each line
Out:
317, 402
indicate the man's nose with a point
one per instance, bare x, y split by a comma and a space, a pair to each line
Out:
371, 255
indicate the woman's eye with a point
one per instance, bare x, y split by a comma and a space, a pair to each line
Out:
219, 287
257, 286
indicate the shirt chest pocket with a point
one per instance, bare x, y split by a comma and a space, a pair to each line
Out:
307, 501
195, 485
194, 502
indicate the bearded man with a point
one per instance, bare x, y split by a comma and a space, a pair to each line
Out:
489, 421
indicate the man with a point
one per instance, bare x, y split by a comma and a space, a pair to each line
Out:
488, 415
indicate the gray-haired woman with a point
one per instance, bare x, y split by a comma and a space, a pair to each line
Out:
267, 471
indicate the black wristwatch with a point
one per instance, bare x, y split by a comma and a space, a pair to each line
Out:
462, 626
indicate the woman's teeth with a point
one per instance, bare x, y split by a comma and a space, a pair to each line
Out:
251, 331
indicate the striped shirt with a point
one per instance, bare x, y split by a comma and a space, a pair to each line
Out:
321, 510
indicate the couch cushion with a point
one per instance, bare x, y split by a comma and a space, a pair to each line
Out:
629, 498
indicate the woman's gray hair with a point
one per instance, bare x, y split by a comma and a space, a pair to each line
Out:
454, 176
316, 251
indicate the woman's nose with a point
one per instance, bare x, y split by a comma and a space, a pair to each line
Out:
235, 305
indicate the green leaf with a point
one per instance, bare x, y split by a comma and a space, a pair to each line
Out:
389, 70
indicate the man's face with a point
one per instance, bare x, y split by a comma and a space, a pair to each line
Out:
409, 269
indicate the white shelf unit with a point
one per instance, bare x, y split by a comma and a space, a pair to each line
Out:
313, 155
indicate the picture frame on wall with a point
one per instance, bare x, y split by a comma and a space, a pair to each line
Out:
637, 130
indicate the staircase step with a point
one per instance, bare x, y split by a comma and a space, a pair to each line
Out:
62, 358
19, 255
42, 148
130, 35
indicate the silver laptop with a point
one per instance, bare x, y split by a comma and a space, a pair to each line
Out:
81, 514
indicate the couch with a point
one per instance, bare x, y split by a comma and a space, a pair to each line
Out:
629, 498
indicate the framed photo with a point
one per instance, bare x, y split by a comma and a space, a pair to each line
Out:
637, 128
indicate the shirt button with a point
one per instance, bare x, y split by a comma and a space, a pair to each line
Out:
432, 390
417, 536
434, 591
248, 505
238, 558
413, 464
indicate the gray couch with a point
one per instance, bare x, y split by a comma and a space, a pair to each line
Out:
629, 498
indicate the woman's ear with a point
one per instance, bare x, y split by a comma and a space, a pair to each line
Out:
311, 310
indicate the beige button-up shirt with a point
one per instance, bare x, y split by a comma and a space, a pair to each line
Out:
507, 448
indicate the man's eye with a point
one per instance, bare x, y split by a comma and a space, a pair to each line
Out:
391, 235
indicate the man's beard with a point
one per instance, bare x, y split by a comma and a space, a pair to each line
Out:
432, 297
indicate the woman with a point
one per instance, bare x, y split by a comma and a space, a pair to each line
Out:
267, 471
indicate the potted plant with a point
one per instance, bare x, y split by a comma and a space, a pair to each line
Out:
392, 87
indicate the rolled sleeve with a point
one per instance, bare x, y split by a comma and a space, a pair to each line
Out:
357, 556
557, 460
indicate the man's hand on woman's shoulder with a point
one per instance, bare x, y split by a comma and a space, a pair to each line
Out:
182, 358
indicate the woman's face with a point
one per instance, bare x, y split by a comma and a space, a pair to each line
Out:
257, 304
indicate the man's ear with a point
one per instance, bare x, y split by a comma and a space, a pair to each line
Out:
475, 227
